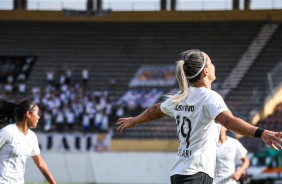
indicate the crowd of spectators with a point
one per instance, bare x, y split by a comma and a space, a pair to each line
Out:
14, 72
68, 106
135, 99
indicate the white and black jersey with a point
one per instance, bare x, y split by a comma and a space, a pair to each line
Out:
197, 131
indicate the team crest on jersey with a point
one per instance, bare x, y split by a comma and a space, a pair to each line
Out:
220, 107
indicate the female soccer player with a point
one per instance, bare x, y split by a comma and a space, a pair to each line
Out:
18, 142
198, 112
227, 151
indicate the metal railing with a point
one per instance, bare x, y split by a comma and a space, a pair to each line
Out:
274, 77
142, 5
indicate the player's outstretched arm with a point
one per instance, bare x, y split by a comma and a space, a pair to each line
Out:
152, 113
237, 125
42, 166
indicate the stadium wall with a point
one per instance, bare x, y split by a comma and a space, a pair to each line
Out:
105, 168
148, 16
167, 145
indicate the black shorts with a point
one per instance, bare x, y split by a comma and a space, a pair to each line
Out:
198, 178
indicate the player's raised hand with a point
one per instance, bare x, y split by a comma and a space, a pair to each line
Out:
273, 139
124, 123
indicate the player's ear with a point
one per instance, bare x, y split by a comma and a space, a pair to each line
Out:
27, 114
205, 72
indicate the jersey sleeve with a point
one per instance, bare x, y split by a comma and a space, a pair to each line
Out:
167, 107
35, 149
215, 105
240, 150
4, 137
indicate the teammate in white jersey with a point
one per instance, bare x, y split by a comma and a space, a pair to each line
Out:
227, 151
198, 112
18, 142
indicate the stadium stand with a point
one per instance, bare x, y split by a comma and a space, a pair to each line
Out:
272, 122
118, 49
247, 59
253, 88
115, 47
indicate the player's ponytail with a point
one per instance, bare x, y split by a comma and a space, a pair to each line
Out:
182, 82
7, 109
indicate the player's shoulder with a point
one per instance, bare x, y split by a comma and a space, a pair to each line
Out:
233, 140
9, 127
212, 95
8, 131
